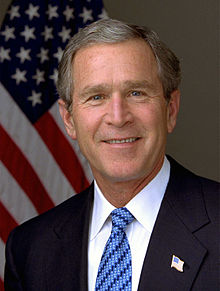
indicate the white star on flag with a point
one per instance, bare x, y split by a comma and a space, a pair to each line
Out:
4, 54
13, 12
58, 54
103, 15
19, 76
43, 55
32, 11
54, 76
28, 33
39, 77
47, 33
52, 11
24, 55
65, 34
8, 33
35, 98
68, 13
86, 15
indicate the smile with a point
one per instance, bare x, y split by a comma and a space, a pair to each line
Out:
127, 140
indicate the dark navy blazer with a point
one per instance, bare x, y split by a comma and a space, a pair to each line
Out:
49, 252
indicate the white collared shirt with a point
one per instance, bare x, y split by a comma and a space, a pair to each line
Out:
144, 207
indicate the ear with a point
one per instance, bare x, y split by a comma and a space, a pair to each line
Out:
67, 119
172, 110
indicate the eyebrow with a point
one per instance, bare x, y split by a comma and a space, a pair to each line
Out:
127, 85
94, 89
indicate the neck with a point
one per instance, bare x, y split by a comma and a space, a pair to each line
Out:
120, 193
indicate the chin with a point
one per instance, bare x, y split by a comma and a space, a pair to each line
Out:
124, 176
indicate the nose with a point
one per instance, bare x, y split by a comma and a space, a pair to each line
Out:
118, 113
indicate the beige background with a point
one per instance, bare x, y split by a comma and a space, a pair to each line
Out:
191, 29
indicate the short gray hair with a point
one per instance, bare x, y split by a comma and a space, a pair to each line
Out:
115, 31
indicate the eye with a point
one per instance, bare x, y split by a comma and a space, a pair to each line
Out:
135, 93
97, 97
138, 96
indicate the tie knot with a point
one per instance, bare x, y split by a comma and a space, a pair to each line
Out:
121, 217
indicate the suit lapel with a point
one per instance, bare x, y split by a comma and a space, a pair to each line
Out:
182, 213
66, 266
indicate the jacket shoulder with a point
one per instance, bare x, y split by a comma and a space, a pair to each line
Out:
41, 226
35, 243
194, 187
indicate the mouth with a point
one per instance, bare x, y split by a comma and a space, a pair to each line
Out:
120, 141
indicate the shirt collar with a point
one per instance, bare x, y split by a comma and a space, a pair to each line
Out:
101, 211
144, 206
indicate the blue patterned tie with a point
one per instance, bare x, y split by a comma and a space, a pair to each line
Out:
115, 270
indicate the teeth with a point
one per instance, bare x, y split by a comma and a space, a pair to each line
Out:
122, 140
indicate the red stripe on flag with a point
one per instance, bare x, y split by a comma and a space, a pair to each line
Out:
62, 151
7, 223
20, 168
1, 285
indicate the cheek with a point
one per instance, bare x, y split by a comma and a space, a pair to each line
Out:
86, 123
153, 117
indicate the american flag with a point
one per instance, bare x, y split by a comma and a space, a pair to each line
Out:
40, 167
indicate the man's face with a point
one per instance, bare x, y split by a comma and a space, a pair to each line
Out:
119, 114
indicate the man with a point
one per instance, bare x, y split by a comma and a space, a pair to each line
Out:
118, 85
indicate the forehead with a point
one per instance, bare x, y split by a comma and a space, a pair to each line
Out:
136, 47
114, 62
